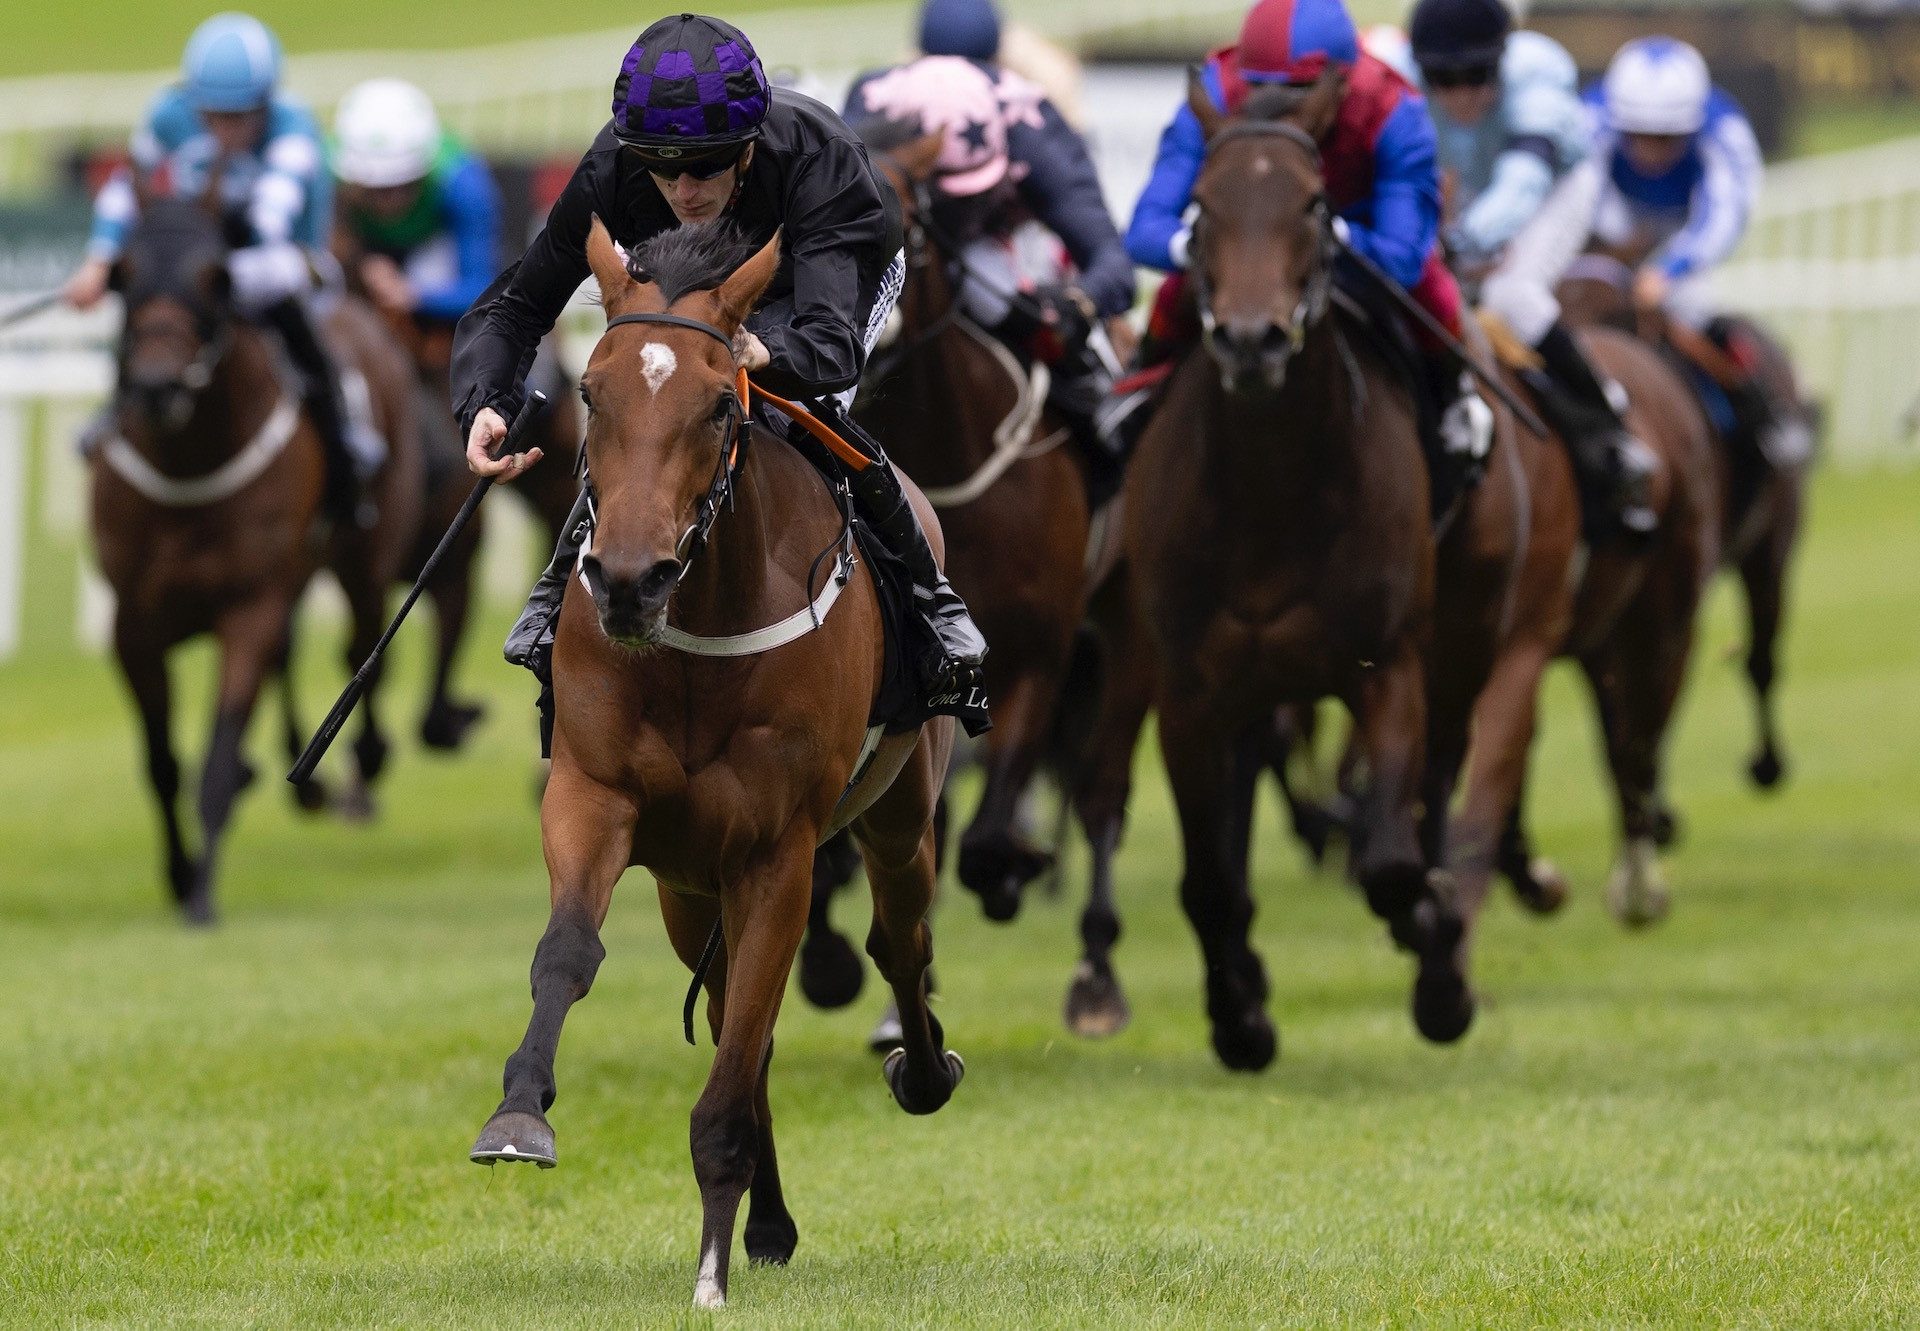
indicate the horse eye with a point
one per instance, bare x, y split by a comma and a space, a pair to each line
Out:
586, 398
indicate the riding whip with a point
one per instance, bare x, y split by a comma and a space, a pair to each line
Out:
1404, 299
29, 307
343, 708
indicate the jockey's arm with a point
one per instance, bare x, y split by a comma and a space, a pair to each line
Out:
1722, 202
1522, 179
495, 341
1157, 236
1547, 134
1406, 196
473, 207
115, 209
1063, 189
291, 166
834, 218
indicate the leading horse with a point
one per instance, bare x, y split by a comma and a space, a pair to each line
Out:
206, 512
720, 766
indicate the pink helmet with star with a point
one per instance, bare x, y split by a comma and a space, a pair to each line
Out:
960, 100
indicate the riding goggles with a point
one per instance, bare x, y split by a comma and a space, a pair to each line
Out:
1477, 75
704, 167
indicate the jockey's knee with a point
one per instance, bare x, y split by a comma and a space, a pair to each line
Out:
265, 275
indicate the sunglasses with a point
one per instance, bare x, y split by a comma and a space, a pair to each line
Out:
700, 168
1459, 76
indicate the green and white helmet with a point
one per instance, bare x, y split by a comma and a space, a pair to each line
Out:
385, 133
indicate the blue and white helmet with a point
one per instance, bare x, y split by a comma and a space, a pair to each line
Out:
232, 63
1656, 85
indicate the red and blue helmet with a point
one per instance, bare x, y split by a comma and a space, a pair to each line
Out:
1293, 41
689, 85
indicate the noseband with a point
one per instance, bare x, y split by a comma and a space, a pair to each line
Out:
1319, 289
733, 449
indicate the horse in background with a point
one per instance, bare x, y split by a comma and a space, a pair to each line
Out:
206, 514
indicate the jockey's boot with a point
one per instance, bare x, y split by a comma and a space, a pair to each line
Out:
1609, 461
354, 449
530, 640
1080, 392
1463, 430
948, 659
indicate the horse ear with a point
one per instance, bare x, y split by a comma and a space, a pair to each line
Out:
608, 264
1200, 102
741, 292
1322, 105
917, 157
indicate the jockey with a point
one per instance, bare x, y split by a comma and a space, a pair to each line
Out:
1509, 123
1009, 159
699, 135
1381, 181
419, 214
226, 110
1674, 174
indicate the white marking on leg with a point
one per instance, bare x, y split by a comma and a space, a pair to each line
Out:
706, 1291
657, 363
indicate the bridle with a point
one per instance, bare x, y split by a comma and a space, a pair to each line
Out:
1318, 292
733, 448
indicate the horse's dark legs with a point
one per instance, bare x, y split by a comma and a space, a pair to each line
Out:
1637, 679
997, 860
143, 661
1313, 822
447, 721
252, 638
831, 972
1763, 574
588, 834
367, 604
1214, 773
311, 794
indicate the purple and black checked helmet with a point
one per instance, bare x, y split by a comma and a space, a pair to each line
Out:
690, 85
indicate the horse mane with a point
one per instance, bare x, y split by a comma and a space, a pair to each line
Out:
1274, 101
885, 133
692, 258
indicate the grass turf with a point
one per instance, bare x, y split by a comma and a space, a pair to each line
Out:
267, 1124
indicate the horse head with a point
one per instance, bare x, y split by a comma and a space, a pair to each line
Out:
664, 418
1261, 257
172, 278
909, 160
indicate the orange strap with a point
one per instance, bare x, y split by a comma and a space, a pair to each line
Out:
812, 424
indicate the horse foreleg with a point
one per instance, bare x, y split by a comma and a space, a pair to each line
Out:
447, 721
1763, 575
731, 1131
997, 860
1214, 774
1487, 833
831, 973
588, 834
143, 661
311, 794
367, 603
251, 640
1391, 718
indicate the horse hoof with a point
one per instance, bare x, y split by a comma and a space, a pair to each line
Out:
1443, 1006
887, 1035
445, 727
1247, 1045
515, 1137
1000, 902
1637, 890
1096, 1008
1766, 769
1667, 827
771, 1242
895, 1070
310, 796
1544, 890
354, 804
831, 975
196, 910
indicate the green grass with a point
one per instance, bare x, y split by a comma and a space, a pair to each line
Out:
1709, 1124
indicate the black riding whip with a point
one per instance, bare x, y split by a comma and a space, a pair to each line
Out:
29, 307
1404, 299
343, 708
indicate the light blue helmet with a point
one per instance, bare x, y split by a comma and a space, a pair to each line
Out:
232, 64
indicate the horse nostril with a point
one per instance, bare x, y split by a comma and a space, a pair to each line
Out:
659, 580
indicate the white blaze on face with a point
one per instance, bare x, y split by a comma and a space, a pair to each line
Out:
657, 363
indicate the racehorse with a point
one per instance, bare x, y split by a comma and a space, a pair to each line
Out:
973, 432
1625, 610
1290, 554
206, 506
1763, 500
718, 766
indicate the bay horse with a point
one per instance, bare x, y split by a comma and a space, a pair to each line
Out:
1290, 554
1625, 610
1763, 500
718, 767
206, 512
